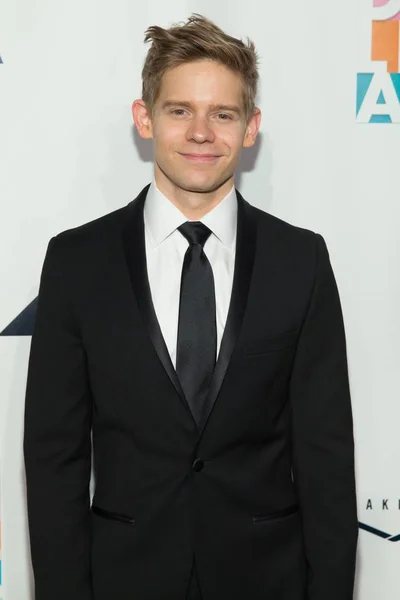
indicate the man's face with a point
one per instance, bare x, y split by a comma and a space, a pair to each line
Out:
198, 127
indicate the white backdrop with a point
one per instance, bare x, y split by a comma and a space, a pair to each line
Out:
68, 154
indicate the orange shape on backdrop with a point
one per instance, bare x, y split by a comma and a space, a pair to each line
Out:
386, 43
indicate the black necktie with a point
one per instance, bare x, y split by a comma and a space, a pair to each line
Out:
197, 330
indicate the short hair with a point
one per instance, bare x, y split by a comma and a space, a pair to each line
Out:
198, 39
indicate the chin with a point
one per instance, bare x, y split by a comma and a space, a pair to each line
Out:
200, 187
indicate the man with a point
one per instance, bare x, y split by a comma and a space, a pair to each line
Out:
201, 342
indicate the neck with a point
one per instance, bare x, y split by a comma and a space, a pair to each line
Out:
194, 205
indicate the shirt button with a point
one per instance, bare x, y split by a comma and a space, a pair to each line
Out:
198, 464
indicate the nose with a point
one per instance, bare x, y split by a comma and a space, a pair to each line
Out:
200, 131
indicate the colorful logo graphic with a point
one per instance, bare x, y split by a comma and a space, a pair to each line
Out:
378, 91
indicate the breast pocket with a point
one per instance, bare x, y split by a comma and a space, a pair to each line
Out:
278, 515
276, 343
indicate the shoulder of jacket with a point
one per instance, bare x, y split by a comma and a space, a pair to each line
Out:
268, 222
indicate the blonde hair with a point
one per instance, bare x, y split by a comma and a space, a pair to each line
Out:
197, 39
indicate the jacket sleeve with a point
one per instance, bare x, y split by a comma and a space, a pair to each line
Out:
57, 443
323, 446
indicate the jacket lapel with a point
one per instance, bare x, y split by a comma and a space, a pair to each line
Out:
244, 260
135, 253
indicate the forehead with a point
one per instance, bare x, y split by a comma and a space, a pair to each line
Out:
203, 80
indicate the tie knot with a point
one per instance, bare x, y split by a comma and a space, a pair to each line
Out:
195, 232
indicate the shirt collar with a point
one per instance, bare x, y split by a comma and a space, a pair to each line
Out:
162, 217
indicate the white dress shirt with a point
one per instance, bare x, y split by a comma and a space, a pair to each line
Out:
165, 250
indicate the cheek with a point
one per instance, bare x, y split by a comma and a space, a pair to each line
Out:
168, 138
232, 138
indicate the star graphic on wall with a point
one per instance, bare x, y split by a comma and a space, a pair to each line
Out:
23, 323
387, 536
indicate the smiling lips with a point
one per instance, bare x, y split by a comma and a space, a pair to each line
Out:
203, 158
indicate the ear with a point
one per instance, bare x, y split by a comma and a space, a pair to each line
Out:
252, 129
142, 119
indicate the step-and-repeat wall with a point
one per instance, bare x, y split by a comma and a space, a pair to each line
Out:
328, 159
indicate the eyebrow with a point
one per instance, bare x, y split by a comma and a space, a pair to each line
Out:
222, 107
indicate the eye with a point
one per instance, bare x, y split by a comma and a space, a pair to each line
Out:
224, 117
178, 112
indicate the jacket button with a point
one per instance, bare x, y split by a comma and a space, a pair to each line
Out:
198, 464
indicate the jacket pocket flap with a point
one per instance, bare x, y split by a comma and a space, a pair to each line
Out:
107, 514
278, 514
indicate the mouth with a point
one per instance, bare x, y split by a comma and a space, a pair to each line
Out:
201, 158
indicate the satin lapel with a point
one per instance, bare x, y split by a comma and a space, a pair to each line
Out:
135, 253
244, 260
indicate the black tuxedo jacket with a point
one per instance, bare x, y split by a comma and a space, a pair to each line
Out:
262, 493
